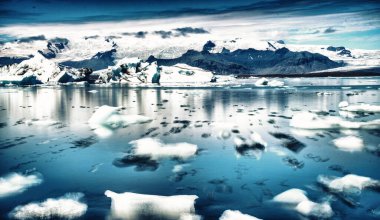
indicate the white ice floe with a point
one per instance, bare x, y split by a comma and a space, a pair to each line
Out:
349, 143
256, 138
307, 120
236, 215
225, 134
303, 205
134, 206
65, 207
317, 210
17, 183
362, 107
292, 196
106, 118
348, 183
92, 91
271, 83
155, 149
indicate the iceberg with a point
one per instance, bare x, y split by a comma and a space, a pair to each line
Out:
348, 183
363, 107
65, 207
39, 70
107, 118
349, 143
17, 183
155, 149
301, 203
308, 120
236, 215
271, 83
138, 206
292, 196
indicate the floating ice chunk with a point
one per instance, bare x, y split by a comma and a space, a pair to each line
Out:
236, 215
344, 105
155, 149
17, 183
275, 83
303, 205
137, 206
291, 196
349, 143
106, 118
316, 210
272, 83
348, 183
93, 91
66, 207
262, 82
307, 120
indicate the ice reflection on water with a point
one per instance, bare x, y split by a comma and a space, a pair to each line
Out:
46, 129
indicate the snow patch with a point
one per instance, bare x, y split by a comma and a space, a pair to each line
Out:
349, 143
67, 207
17, 183
135, 206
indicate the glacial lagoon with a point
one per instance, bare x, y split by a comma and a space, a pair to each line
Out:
45, 132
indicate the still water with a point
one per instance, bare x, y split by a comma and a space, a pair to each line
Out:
45, 130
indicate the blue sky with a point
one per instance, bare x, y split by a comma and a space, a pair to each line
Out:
354, 22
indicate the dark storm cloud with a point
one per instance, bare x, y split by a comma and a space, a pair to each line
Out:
139, 34
164, 34
329, 30
70, 11
180, 32
189, 30
30, 39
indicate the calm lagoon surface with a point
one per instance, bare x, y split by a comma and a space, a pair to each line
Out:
45, 130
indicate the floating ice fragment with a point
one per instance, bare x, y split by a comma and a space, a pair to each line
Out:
155, 149
106, 118
363, 107
307, 120
17, 183
236, 215
348, 183
349, 143
92, 91
303, 205
65, 207
138, 206
316, 210
291, 196
272, 83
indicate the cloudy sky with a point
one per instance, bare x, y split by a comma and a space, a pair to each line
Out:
351, 23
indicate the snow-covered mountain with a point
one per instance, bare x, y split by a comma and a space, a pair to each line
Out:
254, 56
39, 69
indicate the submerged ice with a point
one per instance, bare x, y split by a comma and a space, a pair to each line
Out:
236, 215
